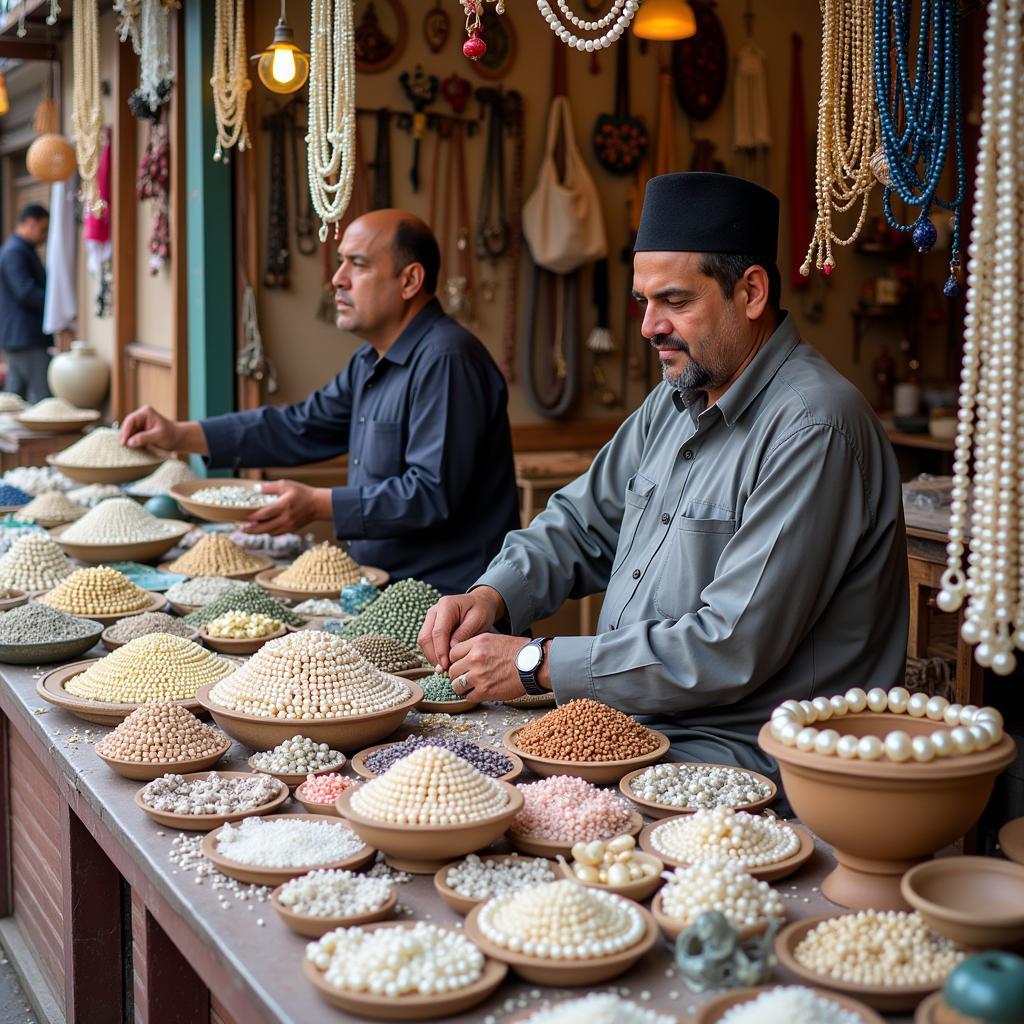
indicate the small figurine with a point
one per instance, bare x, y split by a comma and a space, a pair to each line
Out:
710, 954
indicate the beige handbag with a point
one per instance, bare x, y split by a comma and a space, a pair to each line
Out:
562, 220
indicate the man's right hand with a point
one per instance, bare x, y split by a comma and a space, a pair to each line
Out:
146, 426
454, 619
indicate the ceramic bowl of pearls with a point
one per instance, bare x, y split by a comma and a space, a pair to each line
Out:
716, 1010
887, 778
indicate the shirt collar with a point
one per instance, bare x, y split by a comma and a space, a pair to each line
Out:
405, 344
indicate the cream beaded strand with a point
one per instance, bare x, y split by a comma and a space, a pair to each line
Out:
87, 105
230, 79
618, 18
845, 147
331, 142
992, 384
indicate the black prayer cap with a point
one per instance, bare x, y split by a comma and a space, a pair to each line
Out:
698, 211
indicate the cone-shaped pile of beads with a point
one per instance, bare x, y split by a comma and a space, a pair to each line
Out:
398, 612
117, 521
53, 507
98, 590
388, 654
162, 732
215, 555
102, 448
323, 567
34, 562
162, 479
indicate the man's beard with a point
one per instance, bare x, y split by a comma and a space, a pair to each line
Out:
694, 379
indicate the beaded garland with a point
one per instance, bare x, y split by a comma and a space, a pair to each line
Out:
230, 79
723, 834
606, 29
971, 728
87, 103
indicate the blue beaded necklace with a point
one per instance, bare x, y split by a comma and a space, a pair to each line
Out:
919, 116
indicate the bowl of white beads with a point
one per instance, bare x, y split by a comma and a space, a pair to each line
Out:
785, 1002
465, 884
887, 778
314, 903
222, 500
678, 788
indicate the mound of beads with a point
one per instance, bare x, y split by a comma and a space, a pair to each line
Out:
13, 496
214, 555
323, 567
567, 809
11, 402
562, 921
388, 654
34, 562
723, 886
791, 1004
438, 687
152, 667
598, 1008
586, 730
216, 794
232, 497
357, 597
613, 863
135, 626
287, 842
243, 626
695, 786
162, 479
423, 960
330, 892
54, 409
117, 521
102, 448
298, 756
399, 612
321, 607
747, 840
478, 879
969, 728
203, 590
11, 531
432, 786
894, 949
323, 789
38, 624
249, 598
489, 761
36, 480
308, 675
92, 494
50, 507
97, 590
160, 733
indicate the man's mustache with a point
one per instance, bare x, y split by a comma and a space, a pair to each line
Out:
340, 296
670, 341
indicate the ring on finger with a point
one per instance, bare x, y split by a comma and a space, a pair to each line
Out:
462, 684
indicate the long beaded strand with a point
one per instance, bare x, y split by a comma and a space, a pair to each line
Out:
230, 80
929, 109
847, 126
992, 384
605, 30
87, 104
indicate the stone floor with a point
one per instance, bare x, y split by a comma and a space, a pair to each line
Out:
14, 1008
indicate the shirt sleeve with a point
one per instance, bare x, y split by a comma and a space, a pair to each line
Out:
800, 528
23, 283
284, 435
569, 548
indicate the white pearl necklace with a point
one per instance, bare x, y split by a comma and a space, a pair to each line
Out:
154, 51
991, 383
618, 18
230, 80
331, 141
972, 728
87, 104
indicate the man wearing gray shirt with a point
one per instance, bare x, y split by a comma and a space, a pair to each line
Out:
745, 522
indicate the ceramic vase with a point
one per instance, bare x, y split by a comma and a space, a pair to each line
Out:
80, 376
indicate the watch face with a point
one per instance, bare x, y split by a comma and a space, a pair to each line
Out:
528, 658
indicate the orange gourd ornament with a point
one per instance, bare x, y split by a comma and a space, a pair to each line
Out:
50, 157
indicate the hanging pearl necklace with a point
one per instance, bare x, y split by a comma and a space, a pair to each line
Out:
230, 79
331, 142
619, 17
919, 117
991, 383
87, 105
845, 142
155, 75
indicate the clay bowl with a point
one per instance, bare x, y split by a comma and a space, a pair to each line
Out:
136, 551
267, 580
881, 817
464, 904
312, 807
1011, 839
204, 822
599, 772
888, 999
935, 1011
245, 574
59, 426
182, 494
345, 734
156, 604
447, 707
714, 1011
49, 651
422, 849
565, 973
655, 810
313, 927
103, 474
249, 645
363, 1005
293, 779
975, 901
639, 889
672, 927
184, 609
146, 772
359, 762
551, 849
51, 689
113, 645
766, 873
254, 875
12, 599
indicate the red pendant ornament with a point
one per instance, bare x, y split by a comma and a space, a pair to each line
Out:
474, 48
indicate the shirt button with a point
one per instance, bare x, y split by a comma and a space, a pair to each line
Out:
355, 462
636, 574
666, 518
688, 454
362, 419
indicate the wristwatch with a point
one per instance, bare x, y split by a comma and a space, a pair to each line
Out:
528, 662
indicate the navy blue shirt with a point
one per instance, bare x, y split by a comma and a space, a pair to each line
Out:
22, 294
431, 484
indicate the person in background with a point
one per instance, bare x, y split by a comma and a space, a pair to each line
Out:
22, 295
421, 410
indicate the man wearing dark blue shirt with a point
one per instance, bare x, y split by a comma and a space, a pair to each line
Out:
420, 409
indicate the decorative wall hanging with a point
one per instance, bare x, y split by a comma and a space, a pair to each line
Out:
421, 90
752, 136
436, 26
920, 117
453, 226
990, 437
87, 103
96, 232
51, 18
380, 198
500, 33
700, 65
147, 24
847, 126
475, 47
380, 33
620, 140
230, 80
154, 183
598, 33
50, 157
456, 91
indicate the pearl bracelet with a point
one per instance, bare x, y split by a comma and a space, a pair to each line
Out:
971, 728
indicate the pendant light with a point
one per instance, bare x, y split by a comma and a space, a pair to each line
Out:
665, 20
5, 103
282, 66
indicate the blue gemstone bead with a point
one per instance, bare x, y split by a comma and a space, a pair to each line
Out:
924, 235
951, 289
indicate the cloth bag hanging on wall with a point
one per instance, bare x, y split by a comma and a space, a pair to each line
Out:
562, 220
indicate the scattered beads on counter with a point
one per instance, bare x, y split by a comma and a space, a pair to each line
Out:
11, 496
287, 842
216, 794
53, 507
117, 521
330, 892
214, 555
249, 598
233, 497
790, 1004
484, 759
148, 622
612, 863
92, 494
746, 839
723, 886
388, 654
34, 562
160, 733
586, 730
324, 789
399, 612
162, 479
323, 567
696, 786
432, 786
203, 590
102, 448
235, 625
97, 590
53, 409
598, 1008
438, 688
567, 809
36, 480
478, 879
298, 756
39, 624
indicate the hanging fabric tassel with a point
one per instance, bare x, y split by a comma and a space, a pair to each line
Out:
600, 338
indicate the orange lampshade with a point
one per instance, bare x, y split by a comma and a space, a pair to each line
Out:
5, 103
664, 20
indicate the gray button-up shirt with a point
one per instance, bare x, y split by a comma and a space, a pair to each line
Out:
750, 552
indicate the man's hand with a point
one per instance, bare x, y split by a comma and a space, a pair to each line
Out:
146, 426
297, 505
483, 668
454, 619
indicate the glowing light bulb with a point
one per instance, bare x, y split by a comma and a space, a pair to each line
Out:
283, 66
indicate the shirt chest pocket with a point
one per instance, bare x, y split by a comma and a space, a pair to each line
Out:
690, 564
382, 448
638, 496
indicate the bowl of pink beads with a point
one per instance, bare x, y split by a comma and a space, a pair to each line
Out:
318, 793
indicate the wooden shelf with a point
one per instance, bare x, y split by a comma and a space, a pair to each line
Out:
899, 439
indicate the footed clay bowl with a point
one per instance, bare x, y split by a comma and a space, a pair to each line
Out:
881, 817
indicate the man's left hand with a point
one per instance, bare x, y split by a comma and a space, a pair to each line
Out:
296, 506
488, 663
